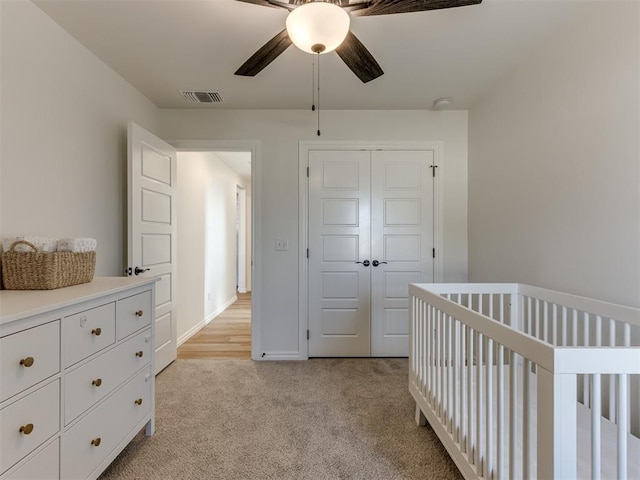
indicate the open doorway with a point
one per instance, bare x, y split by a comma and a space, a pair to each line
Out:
214, 254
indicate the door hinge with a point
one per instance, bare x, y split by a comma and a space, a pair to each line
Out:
434, 253
307, 334
307, 253
433, 169
307, 171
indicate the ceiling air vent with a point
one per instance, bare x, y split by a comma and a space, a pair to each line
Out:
201, 97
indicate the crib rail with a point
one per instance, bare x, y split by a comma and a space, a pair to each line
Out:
496, 367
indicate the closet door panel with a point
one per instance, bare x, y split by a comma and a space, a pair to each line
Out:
402, 239
339, 236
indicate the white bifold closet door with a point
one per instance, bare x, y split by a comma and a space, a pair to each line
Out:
371, 233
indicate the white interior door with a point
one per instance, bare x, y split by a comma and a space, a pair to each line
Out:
402, 240
339, 238
151, 196
374, 207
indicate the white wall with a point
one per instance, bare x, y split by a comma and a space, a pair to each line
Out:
278, 133
554, 163
206, 238
63, 135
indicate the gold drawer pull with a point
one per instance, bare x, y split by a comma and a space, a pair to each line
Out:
27, 362
97, 382
139, 313
96, 331
26, 429
139, 354
138, 401
96, 441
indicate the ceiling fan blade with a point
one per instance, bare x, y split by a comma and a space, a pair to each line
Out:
265, 55
387, 7
359, 59
270, 3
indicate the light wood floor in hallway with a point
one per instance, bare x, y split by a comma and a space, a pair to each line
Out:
226, 336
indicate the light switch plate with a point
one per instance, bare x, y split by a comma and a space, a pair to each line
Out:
282, 244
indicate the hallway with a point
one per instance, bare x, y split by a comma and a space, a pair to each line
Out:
228, 336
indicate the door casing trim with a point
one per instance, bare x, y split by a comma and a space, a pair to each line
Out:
304, 147
255, 148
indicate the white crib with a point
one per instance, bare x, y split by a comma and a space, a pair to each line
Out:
523, 382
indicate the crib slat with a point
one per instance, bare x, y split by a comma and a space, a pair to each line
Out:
427, 335
481, 407
527, 444
419, 343
489, 468
513, 413
500, 413
554, 324
457, 348
463, 383
612, 378
439, 364
622, 427
450, 364
471, 419
530, 325
595, 426
627, 335
545, 321
564, 326
585, 342
538, 320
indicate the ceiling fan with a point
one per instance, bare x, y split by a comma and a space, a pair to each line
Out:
330, 20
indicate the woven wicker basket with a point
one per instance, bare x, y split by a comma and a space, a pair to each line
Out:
45, 270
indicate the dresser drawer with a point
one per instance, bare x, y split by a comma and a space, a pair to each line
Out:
28, 357
89, 442
27, 423
88, 332
44, 465
134, 313
96, 379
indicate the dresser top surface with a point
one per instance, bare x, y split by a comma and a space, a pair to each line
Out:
18, 304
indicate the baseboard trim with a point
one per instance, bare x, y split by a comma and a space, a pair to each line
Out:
279, 356
200, 325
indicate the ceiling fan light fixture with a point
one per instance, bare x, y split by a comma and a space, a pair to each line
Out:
318, 27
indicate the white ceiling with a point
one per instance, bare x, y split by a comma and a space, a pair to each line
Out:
163, 46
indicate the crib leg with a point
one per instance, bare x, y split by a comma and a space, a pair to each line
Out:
421, 420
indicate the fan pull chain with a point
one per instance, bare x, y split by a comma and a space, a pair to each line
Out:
313, 84
318, 93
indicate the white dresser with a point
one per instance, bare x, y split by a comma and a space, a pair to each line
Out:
76, 376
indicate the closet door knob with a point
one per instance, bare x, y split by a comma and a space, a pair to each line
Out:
97, 331
365, 263
26, 429
139, 313
27, 362
138, 401
96, 441
375, 263
139, 354
139, 270
97, 382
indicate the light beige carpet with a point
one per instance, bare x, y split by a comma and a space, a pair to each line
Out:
320, 419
